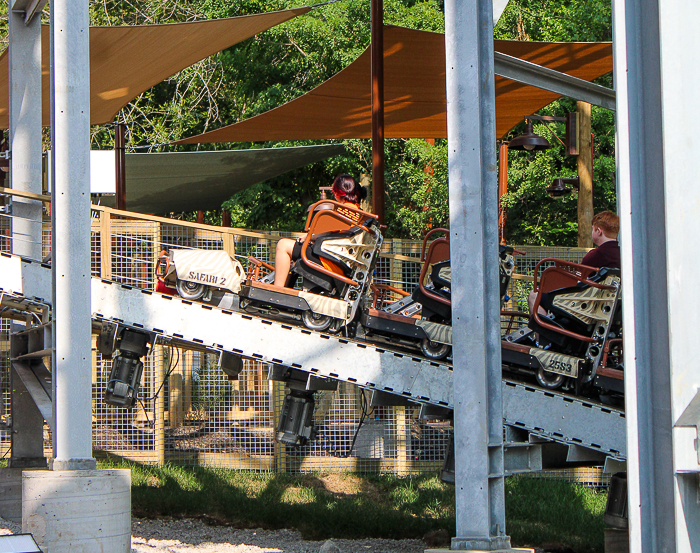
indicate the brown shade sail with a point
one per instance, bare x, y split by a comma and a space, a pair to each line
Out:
414, 92
126, 61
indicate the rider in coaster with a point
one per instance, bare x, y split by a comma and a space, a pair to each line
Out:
345, 190
605, 227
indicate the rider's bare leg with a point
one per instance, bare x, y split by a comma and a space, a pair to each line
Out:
283, 260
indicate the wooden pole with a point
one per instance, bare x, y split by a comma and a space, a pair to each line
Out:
200, 217
378, 108
585, 175
502, 189
120, 153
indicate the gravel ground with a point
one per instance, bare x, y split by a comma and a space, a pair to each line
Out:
195, 536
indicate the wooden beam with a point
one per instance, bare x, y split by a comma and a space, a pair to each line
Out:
585, 175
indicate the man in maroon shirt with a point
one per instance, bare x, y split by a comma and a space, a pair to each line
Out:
606, 226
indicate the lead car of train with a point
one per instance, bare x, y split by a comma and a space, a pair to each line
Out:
571, 341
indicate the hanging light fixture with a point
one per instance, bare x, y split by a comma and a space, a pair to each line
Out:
529, 141
559, 188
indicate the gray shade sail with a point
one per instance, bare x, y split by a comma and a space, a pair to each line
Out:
190, 181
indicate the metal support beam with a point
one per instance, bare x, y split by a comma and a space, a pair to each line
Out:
657, 143
471, 131
378, 108
27, 9
554, 81
70, 138
25, 132
120, 164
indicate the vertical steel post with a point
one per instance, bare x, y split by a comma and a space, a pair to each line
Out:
25, 131
70, 138
471, 131
656, 79
378, 108
120, 165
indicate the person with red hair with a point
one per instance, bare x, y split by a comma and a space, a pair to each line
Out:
605, 227
345, 190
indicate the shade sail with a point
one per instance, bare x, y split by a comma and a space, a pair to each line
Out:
414, 92
126, 61
188, 181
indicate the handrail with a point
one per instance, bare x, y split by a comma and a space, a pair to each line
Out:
23, 194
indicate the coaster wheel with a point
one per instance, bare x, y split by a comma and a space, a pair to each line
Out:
551, 381
316, 321
191, 291
435, 351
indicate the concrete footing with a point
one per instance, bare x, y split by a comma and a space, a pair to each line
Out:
78, 510
11, 493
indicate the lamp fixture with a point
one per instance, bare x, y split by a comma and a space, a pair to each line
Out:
558, 187
529, 141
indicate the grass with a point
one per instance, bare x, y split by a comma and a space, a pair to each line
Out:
549, 514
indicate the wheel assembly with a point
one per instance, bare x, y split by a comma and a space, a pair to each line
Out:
434, 350
315, 321
191, 291
548, 380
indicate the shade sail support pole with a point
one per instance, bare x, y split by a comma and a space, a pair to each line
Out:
120, 154
378, 108
471, 140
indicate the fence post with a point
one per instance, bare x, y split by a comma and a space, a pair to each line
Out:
229, 242
175, 410
278, 394
396, 265
159, 407
402, 441
106, 244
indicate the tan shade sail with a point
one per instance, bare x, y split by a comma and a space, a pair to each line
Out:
126, 61
414, 92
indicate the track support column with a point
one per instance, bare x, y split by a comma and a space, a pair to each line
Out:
70, 138
471, 131
25, 130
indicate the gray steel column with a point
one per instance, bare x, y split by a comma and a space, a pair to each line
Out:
471, 131
657, 76
70, 138
25, 131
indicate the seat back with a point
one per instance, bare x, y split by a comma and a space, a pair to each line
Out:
438, 252
330, 217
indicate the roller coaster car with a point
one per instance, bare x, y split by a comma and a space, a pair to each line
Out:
196, 274
335, 266
424, 317
577, 345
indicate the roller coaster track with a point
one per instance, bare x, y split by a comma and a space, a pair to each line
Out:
575, 422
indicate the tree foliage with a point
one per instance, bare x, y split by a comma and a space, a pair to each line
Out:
287, 61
